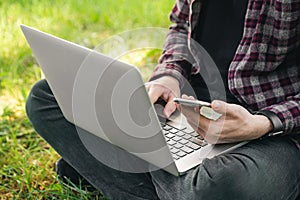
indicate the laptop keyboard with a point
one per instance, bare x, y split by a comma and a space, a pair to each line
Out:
182, 141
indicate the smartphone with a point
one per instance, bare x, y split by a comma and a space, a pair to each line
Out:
205, 107
193, 103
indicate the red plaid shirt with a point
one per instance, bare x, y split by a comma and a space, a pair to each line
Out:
265, 72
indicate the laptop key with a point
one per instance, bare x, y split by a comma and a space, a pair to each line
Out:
170, 135
180, 133
186, 149
194, 134
188, 131
187, 137
176, 138
173, 130
174, 150
205, 143
167, 127
178, 145
171, 142
180, 153
193, 145
200, 137
165, 132
175, 157
183, 141
199, 142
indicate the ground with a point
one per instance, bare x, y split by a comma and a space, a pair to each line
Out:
26, 160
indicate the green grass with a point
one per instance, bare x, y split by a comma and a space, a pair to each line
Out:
26, 160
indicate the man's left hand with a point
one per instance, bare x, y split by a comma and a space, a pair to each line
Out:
236, 123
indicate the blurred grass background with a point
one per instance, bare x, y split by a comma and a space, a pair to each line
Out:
26, 161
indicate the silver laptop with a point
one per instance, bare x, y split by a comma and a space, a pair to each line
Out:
107, 98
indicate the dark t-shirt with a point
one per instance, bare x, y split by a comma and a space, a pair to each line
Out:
219, 31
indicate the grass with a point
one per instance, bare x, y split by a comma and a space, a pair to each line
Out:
26, 160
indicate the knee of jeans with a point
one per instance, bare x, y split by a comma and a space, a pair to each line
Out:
35, 98
218, 181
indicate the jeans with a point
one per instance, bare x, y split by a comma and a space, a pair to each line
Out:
262, 169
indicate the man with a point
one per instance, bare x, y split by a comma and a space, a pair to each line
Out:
255, 44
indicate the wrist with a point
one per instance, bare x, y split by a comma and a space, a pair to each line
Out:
163, 72
172, 80
276, 124
264, 125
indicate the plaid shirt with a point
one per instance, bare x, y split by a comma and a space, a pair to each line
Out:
265, 71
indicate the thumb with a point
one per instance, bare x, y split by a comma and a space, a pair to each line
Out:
219, 106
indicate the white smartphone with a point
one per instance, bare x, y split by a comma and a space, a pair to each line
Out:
193, 103
205, 107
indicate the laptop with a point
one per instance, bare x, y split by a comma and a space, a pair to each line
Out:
107, 98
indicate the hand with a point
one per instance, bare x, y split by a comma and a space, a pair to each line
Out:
235, 125
167, 88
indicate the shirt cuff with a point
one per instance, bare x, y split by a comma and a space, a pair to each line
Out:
168, 70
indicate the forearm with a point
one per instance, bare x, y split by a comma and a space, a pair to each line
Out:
176, 58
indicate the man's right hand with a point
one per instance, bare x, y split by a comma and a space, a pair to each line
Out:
167, 88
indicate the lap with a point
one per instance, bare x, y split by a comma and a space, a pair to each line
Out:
262, 169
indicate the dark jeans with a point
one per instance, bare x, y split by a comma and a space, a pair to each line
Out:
262, 169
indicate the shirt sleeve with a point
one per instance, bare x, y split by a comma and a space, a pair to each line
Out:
289, 113
176, 58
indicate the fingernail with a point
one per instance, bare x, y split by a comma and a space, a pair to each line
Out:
168, 116
184, 96
217, 104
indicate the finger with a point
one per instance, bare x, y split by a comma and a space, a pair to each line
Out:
191, 98
178, 106
170, 107
147, 87
219, 106
154, 93
184, 96
165, 96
